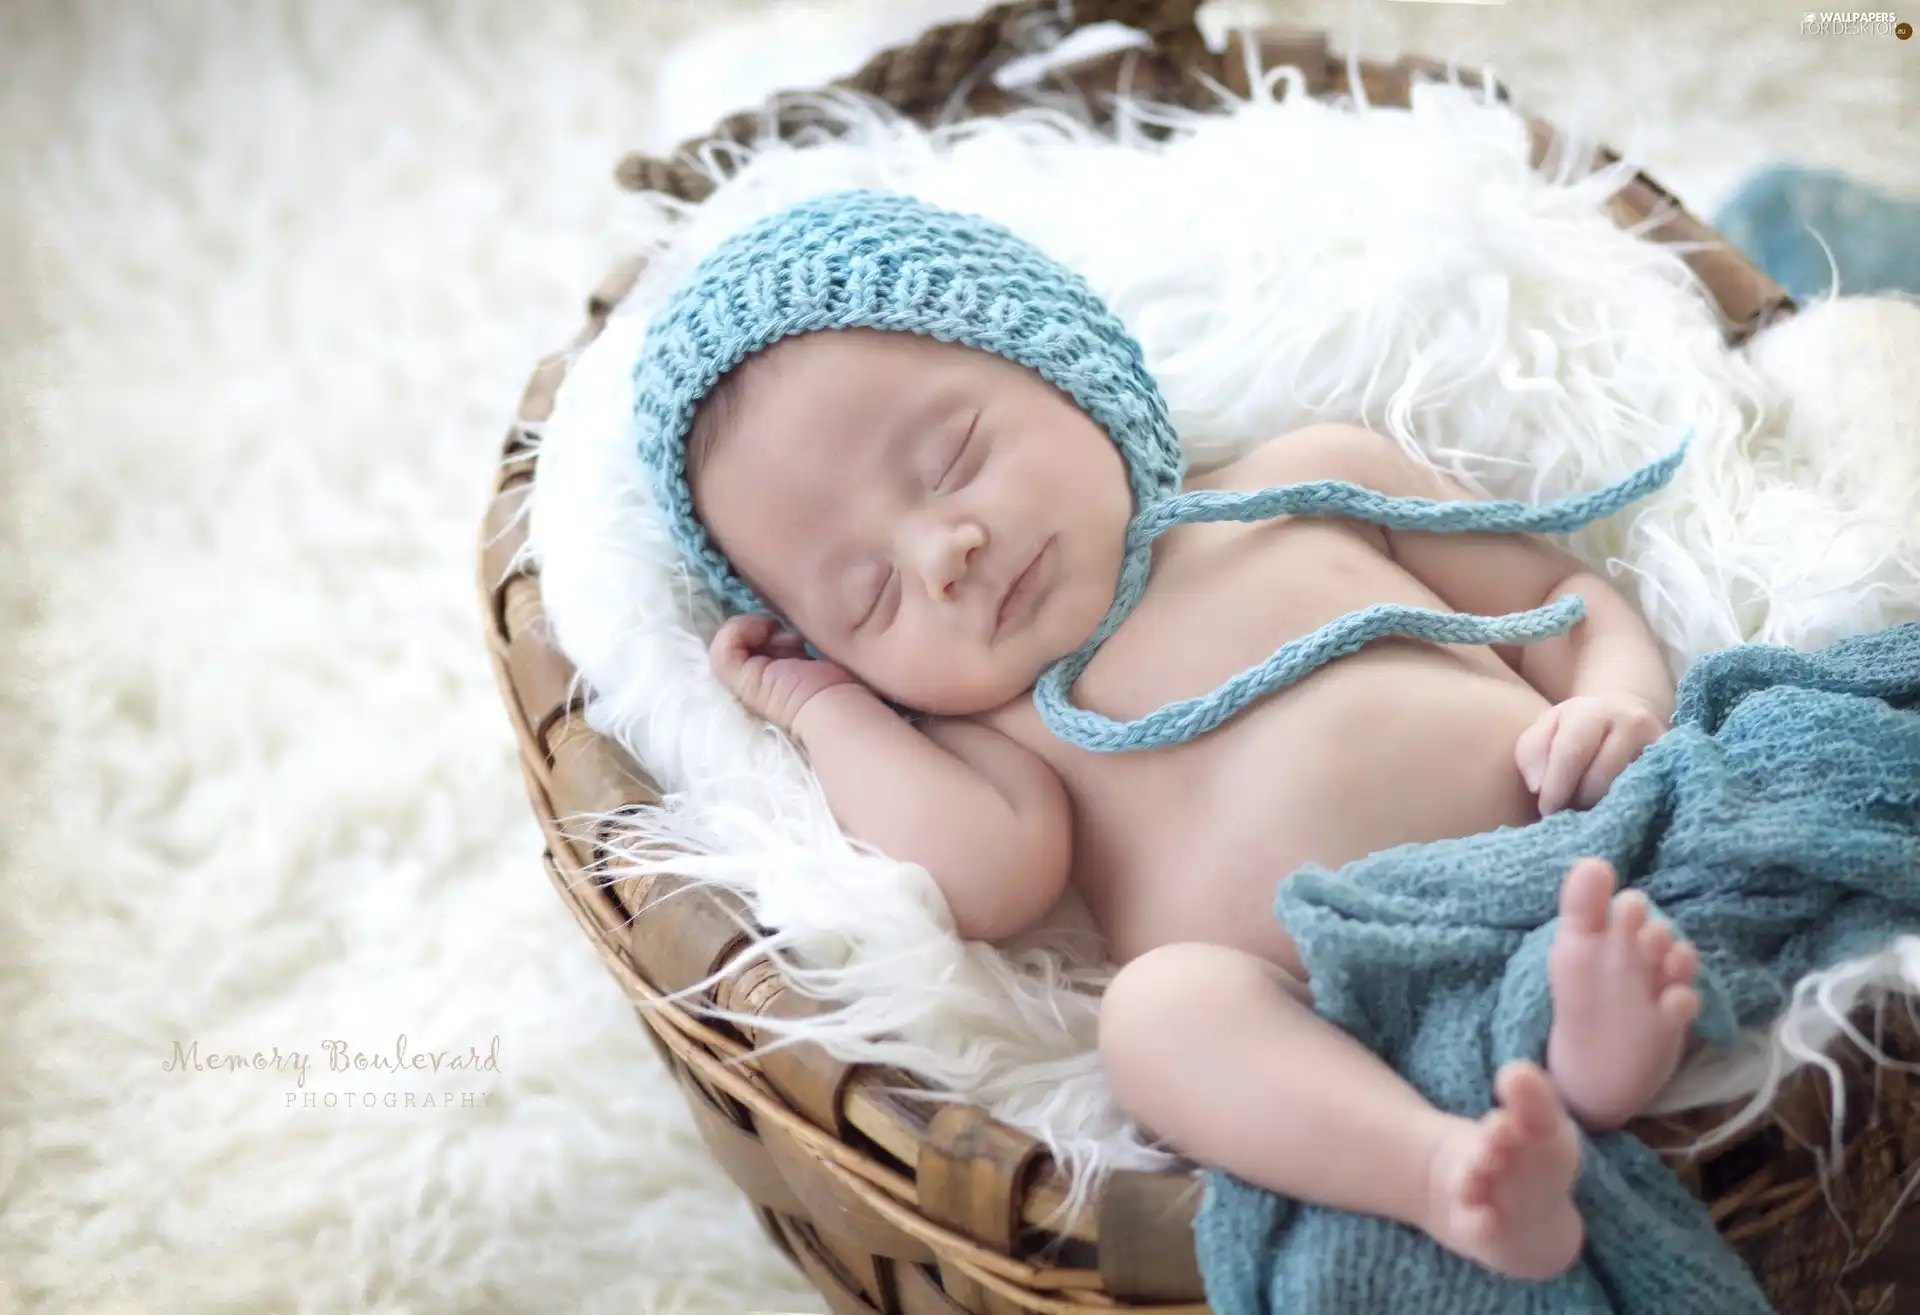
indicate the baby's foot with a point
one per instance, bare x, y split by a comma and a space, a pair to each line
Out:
1502, 1188
1623, 999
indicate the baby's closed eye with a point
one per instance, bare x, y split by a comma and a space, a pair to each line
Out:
877, 583
961, 459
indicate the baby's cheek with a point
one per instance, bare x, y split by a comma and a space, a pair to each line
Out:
944, 679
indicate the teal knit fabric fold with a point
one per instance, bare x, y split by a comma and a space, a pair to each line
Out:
1776, 825
885, 260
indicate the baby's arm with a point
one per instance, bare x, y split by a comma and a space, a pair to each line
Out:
986, 818
1606, 677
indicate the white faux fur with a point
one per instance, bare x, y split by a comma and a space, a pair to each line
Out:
1286, 262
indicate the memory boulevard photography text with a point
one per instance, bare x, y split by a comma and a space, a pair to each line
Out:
1853, 23
338, 1056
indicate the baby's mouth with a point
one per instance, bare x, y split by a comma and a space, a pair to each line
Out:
1022, 595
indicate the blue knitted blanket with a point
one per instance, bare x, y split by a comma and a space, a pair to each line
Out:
1776, 824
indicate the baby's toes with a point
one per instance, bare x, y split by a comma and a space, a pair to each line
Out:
1682, 963
1584, 894
1485, 1168
1679, 1006
1656, 940
1628, 915
1503, 1136
1527, 1093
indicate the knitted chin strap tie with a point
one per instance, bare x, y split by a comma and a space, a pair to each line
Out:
881, 260
1185, 719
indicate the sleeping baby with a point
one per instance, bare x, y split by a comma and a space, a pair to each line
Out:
1023, 648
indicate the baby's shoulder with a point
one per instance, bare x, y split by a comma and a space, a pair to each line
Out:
1329, 451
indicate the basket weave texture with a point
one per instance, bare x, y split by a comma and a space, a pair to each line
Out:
895, 1205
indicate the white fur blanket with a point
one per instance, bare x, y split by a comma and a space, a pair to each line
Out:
1284, 262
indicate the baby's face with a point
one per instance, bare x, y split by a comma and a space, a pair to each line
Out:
938, 520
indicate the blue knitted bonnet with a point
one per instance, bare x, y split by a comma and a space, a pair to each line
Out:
882, 260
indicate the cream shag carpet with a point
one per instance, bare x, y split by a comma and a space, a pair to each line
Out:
271, 276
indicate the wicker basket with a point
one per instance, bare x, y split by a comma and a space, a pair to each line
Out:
890, 1208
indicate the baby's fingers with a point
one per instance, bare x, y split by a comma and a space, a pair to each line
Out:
737, 640
1613, 757
785, 644
1531, 750
1574, 748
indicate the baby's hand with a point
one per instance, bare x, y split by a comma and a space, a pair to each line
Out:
768, 670
1573, 753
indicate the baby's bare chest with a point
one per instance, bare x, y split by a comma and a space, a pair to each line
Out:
1221, 598
1401, 741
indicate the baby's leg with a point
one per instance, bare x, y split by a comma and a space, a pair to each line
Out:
1219, 1053
1623, 999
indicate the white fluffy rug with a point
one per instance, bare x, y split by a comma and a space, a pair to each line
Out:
273, 276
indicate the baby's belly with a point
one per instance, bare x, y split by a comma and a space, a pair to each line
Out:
1402, 742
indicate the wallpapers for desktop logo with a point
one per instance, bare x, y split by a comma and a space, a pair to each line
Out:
1855, 22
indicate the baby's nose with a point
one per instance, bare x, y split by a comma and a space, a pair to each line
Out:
948, 555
